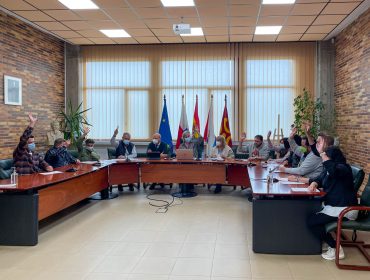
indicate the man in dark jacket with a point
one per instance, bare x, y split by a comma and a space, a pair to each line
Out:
58, 155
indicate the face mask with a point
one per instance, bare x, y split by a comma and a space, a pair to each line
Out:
282, 146
126, 142
90, 149
188, 139
218, 143
155, 141
32, 147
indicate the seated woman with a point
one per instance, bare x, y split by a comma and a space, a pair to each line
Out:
221, 151
26, 160
337, 181
186, 142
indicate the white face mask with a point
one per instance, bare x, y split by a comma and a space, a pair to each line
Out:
282, 146
218, 143
155, 141
188, 139
90, 149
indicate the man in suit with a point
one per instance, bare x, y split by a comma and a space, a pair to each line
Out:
157, 146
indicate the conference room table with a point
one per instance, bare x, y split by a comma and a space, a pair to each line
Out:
279, 213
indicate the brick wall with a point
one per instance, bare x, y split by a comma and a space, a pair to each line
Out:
38, 59
352, 91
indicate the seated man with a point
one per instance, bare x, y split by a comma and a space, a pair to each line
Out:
86, 153
58, 155
256, 150
157, 146
221, 150
124, 149
311, 167
26, 160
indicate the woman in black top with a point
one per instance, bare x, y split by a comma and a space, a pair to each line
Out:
336, 180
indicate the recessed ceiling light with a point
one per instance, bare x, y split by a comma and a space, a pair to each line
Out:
271, 2
195, 31
79, 4
178, 3
267, 30
115, 33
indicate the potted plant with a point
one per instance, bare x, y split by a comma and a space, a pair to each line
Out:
307, 109
72, 121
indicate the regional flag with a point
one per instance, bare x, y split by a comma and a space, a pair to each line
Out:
225, 127
183, 126
164, 128
209, 131
196, 123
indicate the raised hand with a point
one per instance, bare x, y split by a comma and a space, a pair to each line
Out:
268, 134
86, 130
293, 132
312, 187
32, 119
115, 131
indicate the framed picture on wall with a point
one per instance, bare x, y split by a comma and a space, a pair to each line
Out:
12, 90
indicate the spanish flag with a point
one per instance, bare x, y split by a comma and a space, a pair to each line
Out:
196, 123
225, 127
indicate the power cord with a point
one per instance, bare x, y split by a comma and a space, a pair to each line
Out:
163, 208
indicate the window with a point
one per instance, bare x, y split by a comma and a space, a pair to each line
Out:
197, 77
118, 95
269, 93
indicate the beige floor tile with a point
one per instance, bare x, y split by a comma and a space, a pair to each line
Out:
148, 277
176, 277
306, 269
99, 248
106, 276
197, 250
201, 238
117, 264
129, 249
171, 236
270, 268
59, 275
232, 251
144, 236
152, 266
192, 266
170, 250
228, 267
234, 278
79, 263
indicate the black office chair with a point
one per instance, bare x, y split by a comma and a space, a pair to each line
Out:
361, 224
6, 168
358, 176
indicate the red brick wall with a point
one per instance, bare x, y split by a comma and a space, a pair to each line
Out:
38, 59
352, 91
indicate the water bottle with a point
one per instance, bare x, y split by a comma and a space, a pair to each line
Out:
14, 177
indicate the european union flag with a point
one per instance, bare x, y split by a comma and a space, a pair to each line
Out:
164, 128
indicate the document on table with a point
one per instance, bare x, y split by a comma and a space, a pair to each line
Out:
291, 183
51, 172
302, 190
90, 162
8, 186
282, 179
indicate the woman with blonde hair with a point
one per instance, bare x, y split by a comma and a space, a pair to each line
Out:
221, 151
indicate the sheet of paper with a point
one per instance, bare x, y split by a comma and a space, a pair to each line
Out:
282, 179
292, 183
8, 186
89, 162
302, 190
51, 173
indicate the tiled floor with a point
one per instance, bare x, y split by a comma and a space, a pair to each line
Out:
206, 238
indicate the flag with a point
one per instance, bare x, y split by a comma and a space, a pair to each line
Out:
225, 127
164, 128
183, 125
196, 123
209, 132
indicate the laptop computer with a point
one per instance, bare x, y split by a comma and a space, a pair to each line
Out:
184, 154
153, 155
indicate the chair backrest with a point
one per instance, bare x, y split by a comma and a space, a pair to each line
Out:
6, 168
358, 176
365, 196
111, 153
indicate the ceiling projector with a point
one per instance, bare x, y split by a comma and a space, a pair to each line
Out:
181, 28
